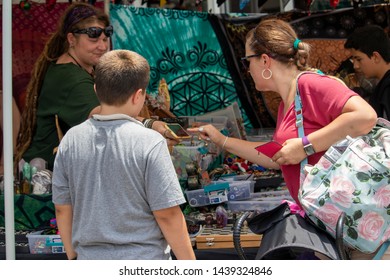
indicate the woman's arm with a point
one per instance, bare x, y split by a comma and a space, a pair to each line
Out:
242, 148
357, 118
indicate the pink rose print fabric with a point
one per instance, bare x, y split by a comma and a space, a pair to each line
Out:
353, 177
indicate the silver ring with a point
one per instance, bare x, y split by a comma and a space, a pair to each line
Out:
201, 128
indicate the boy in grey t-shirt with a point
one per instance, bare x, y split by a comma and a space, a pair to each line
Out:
115, 189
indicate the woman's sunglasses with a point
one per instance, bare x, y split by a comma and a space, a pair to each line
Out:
95, 32
245, 60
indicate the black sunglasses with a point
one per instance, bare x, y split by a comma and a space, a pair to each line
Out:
245, 62
95, 32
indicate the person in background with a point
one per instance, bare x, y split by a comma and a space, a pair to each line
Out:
115, 189
60, 93
369, 47
278, 61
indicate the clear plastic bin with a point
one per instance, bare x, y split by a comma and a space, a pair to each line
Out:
272, 195
240, 190
235, 123
260, 134
197, 198
252, 205
220, 122
45, 244
230, 178
185, 153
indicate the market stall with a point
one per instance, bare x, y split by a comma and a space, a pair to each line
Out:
206, 84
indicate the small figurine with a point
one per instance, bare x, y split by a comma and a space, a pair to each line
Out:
209, 220
222, 217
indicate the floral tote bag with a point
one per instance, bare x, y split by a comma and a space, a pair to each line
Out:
353, 177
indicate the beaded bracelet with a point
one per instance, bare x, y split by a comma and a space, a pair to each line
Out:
145, 122
148, 123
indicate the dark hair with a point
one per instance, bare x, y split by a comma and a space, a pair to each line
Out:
76, 16
369, 39
119, 74
276, 38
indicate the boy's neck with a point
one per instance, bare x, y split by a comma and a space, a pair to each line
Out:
111, 110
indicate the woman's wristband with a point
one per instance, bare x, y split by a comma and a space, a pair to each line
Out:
224, 142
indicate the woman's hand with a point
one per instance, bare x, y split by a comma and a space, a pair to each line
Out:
292, 152
209, 133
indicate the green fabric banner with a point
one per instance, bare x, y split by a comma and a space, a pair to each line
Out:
181, 47
31, 211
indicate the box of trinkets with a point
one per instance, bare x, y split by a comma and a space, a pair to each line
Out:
45, 244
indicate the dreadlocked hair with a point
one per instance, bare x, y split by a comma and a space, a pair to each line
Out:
75, 16
52, 50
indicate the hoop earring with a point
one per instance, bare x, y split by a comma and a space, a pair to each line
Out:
270, 74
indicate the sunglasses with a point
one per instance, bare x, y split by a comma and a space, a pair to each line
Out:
95, 32
245, 60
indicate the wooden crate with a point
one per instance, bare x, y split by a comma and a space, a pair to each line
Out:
217, 238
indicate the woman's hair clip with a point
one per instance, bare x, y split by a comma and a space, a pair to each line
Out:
296, 43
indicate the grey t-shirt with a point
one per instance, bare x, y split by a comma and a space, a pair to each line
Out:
114, 173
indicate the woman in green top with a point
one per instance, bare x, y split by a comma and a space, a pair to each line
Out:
62, 83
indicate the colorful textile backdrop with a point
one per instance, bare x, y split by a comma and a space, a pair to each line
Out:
324, 31
182, 47
31, 211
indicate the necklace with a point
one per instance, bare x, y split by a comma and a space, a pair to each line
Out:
78, 64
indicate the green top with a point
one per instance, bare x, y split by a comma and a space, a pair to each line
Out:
67, 91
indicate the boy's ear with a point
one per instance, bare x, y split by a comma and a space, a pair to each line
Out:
137, 96
377, 56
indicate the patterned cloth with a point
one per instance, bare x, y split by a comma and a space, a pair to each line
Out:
216, 50
182, 47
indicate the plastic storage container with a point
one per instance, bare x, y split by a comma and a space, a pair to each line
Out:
240, 190
267, 182
252, 205
203, 155
45, 244
234, 177
197, 198
272, 195
235, 123
217, 192
260, 134
220, 122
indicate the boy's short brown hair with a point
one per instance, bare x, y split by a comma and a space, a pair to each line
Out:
119, 74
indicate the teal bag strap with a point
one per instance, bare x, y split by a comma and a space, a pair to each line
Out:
299, 117
299, 121
299, 113
381, 250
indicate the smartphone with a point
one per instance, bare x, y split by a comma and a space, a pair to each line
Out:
269, 148
177, 131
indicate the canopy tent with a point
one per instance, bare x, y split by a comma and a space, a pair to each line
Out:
230, 26
7, 125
